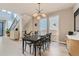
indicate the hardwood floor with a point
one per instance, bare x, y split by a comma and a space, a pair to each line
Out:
14, 48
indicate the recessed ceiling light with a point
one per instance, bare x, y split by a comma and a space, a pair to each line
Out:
8, 12
3, 10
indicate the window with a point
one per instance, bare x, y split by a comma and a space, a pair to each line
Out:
1, 28
9, 16
54, 23
54, 27
43, 26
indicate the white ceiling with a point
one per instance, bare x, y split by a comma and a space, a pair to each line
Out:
29, 8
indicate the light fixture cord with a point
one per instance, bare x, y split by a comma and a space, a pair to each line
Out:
39, 7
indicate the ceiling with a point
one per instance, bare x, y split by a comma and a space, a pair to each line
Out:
30, 8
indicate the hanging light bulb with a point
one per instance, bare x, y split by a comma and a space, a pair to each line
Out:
43, 15
35, 14
38, 17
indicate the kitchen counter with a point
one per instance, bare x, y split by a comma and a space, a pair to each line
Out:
73, 44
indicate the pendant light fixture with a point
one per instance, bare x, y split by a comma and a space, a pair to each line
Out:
39, 13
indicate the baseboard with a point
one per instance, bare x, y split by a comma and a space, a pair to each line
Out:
61, 42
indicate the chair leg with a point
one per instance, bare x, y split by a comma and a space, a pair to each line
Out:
40, 51
30, 49
35, 49
25, 46
43, 48
45, 45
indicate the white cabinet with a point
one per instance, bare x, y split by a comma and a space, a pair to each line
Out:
16, 35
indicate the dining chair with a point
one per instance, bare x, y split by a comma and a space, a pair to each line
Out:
39, 44
28, 42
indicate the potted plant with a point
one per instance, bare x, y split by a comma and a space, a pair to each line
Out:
8, 32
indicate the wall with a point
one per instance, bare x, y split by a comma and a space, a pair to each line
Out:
75, 7
66, 22
27, 24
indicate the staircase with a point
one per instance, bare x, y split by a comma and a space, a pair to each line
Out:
14, 23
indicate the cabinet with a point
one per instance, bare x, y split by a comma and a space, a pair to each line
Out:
73, 47
16, 35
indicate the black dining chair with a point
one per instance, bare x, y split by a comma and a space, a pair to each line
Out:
39, 44
45, 41
28, 42
48, 39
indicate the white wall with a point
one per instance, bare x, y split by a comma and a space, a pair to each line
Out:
26, 21
75, 7
66, 22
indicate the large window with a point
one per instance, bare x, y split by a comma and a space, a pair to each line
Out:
1, 28
9, 16
54, 23
43, 26
54, 27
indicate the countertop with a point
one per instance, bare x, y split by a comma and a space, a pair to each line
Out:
74, 36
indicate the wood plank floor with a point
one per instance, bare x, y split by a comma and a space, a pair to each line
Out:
14, 48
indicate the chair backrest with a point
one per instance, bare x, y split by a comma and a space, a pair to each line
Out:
40, 41
27, 37
49, 36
